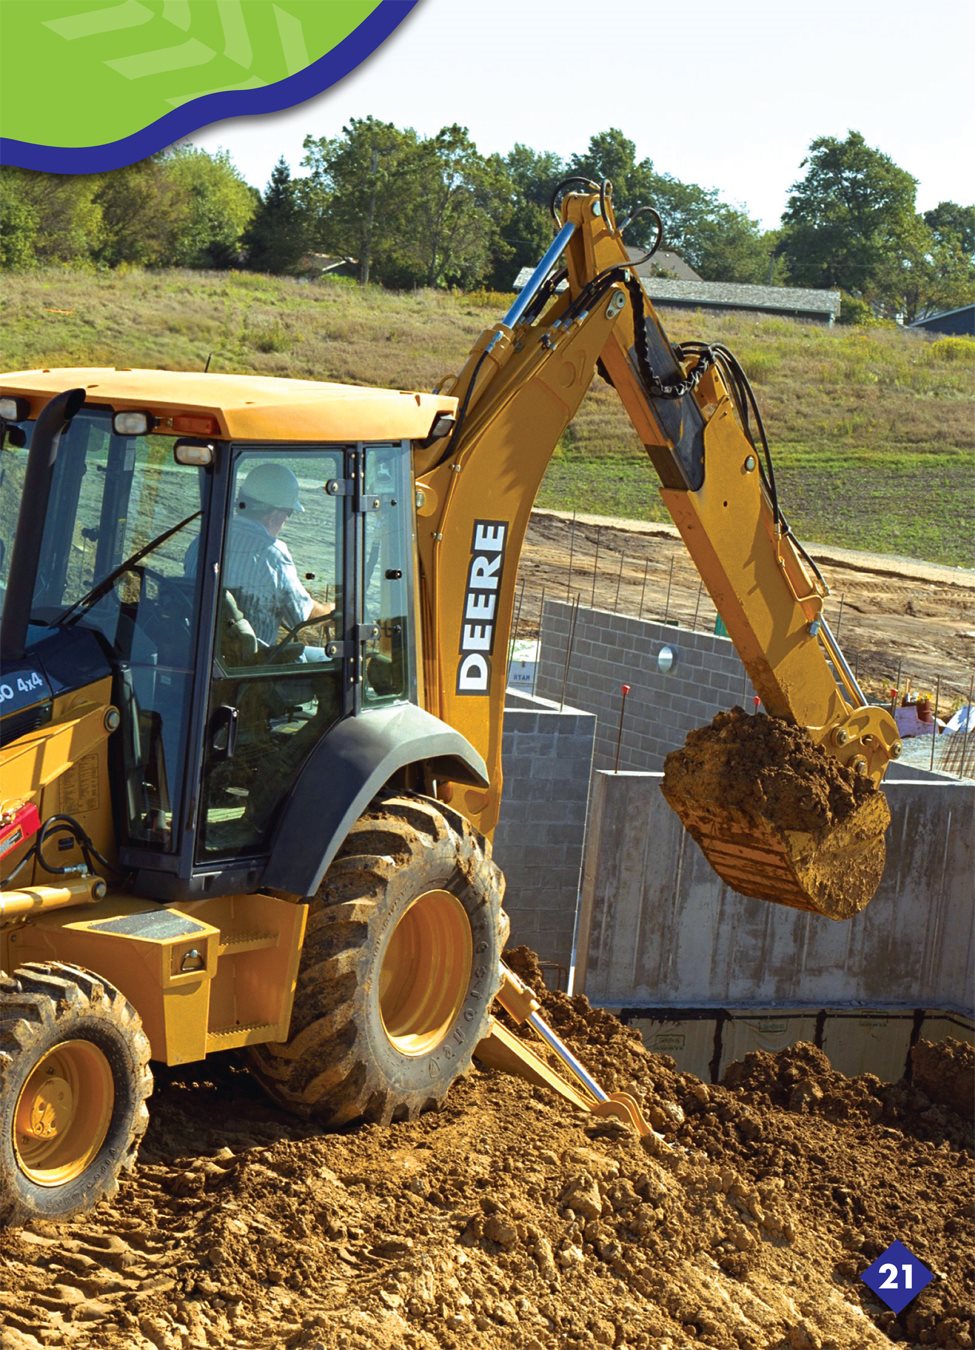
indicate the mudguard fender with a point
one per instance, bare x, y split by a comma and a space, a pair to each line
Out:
343, 774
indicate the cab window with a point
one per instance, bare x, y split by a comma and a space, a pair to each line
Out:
111, 498
278, 674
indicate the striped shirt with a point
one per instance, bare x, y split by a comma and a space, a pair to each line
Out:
261, 573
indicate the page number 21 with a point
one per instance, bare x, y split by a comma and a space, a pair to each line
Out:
890, 1271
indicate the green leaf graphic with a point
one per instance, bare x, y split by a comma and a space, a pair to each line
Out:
81, 74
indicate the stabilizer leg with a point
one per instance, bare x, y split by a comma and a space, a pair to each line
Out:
501, 1049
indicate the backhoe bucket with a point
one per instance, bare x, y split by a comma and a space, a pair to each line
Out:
777, 816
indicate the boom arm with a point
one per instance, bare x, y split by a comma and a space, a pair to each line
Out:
518, 391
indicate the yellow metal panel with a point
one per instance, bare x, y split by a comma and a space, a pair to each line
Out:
257, 966
247, 407
249, 946
63, 767
508, 440
173, 1005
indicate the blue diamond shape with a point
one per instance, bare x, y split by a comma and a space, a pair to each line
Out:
897, 1276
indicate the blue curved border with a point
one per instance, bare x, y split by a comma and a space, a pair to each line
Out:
200, 112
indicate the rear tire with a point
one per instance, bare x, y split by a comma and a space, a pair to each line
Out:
74, 1078
400, 966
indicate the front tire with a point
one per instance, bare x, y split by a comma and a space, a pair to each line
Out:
399, 969
74, 1078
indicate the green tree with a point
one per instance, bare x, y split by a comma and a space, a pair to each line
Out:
928, 273
215, 207
360, 193
278, 234
717, 240
68, 216
847, 216
612, 155
411, 211
526, 234
139, 210
949, 218
461, 205
18, 225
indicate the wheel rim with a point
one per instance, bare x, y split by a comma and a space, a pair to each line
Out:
63, 1113
425, 973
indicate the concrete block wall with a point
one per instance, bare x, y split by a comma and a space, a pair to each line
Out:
609, 650
659, 929
546, 760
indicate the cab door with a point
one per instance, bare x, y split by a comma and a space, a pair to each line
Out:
277, 683
388, 657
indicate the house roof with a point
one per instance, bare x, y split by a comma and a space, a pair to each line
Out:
664, 260
942, 314
690, 291
731, 295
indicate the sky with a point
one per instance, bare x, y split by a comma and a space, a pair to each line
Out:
726, 96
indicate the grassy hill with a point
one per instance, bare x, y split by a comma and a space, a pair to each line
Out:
872, 430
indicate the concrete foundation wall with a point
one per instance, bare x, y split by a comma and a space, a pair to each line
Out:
874, 1040
546, 759
657, 927
609, 650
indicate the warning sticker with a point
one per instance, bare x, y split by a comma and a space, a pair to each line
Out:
79, 787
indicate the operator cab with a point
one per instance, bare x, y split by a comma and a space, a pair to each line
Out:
153, 547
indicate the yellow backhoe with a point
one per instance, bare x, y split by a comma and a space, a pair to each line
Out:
253, 642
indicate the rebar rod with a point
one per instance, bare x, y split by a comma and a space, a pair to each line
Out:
934, 727
643, 591
968, 728
570, 639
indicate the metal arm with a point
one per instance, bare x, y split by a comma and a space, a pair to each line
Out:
520, 388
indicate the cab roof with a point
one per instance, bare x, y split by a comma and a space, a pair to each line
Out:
244, 407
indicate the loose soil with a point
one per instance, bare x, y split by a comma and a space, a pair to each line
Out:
509, 1220
778, 817
901, 623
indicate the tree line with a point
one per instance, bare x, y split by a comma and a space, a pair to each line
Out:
410, 210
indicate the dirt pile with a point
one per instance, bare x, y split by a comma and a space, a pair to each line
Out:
777, 816
507, 1220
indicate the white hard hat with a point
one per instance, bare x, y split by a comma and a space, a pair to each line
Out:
272, 485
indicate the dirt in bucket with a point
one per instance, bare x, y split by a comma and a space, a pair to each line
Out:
777, 816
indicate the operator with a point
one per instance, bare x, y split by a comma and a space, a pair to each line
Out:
258, 567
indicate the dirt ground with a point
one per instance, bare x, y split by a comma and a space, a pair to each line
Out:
897, 621
509, 1220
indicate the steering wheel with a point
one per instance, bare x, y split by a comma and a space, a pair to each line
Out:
280, 651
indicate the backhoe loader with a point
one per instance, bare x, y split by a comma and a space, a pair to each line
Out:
253, 643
